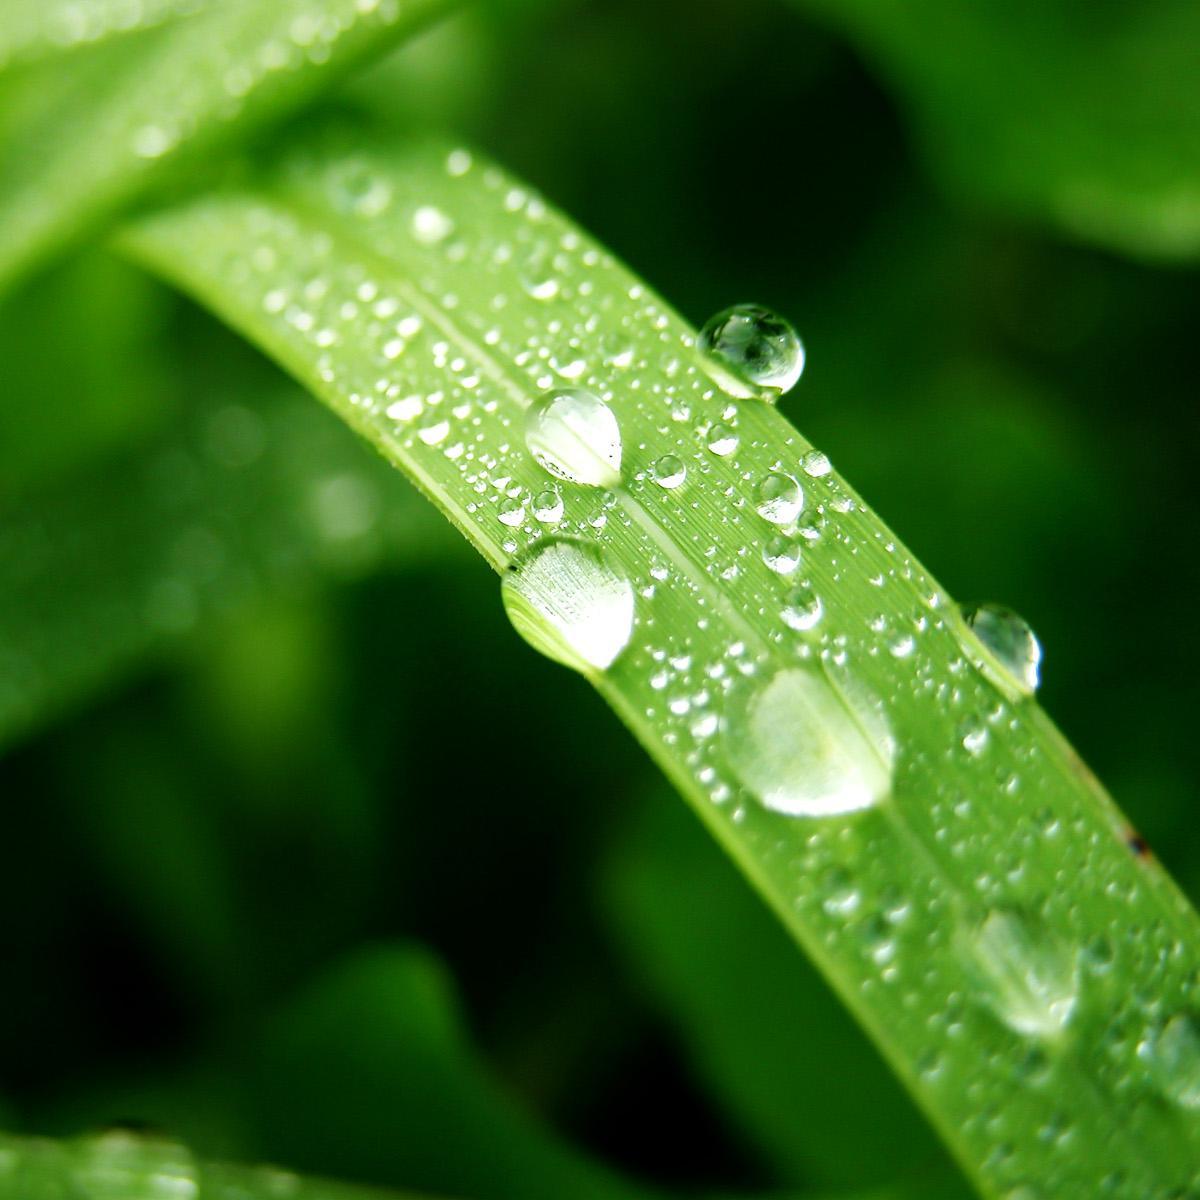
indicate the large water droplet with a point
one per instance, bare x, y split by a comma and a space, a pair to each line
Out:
779, 499
1011, 642
1172, 1053
748, 350
1030, 979
806, 747
574, 435
571, 602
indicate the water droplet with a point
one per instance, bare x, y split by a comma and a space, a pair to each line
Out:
779, 499
803, 610
357, 189
152, 141
574, 435
816, 464
430, 225
668, 472
571, 602
548, 506
722, 440
749, 350
1010, 640
782, 554
1029, 979
1172, 1053
806, 747
511, 513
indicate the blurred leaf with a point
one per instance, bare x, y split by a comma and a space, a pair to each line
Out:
370, 1073
33, 29
70, 401
245, 496
775, 1047
120, 1165
92, 137
1085, 115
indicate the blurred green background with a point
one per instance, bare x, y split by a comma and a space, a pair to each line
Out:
269, 881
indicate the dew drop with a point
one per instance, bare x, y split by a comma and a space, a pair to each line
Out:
430, 225
571, 602
357, 189
511, 513
548, 506
722, 440
574, 435
748, 350
779, 499
806, 747
1028, 978
1010, 640
782, 554
1171, 1051
668, 472
816, 464
803, 609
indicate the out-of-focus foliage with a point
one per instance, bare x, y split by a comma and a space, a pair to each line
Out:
190, 858
90, 135
1085, 115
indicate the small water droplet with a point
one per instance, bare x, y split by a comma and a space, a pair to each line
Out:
571, 602
782, 554
803, 610
779, 499
1010, 640
1171, 1051
357, 189
548, 506
511, 513
807, 747
668, 472
722, 440
1029, 978
574, 435
430, 225
749, 350
816, 464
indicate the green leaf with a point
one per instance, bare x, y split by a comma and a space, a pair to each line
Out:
246, 495
1085, 117
134, 114
774, 1046
896, 795
36, 29
370, 1070
120, 1165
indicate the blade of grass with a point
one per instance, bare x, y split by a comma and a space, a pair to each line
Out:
134, 1167
746, 1007
1031, 980
140, 110
34, 29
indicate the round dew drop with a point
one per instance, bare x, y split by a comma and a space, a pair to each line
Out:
1028, 978
1010, 640
668, 472
779, 499
1171, 1052
574, 435
807, 748
749, 351
570, 601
